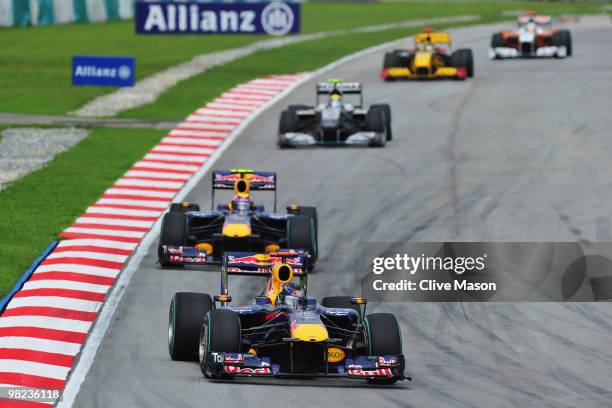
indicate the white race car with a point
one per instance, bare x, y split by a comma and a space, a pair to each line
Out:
535, 38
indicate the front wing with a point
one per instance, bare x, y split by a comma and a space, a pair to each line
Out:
306, 139
541, 52
405, 73
224, 365
184, 255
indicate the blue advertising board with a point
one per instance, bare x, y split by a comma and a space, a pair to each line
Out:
102, 71
273, 18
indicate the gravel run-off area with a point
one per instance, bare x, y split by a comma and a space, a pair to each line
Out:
24, 150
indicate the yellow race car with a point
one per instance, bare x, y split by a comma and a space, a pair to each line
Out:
431, 58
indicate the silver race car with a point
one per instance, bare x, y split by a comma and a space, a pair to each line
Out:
335, 121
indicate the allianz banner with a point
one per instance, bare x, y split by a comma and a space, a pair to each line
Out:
273, 18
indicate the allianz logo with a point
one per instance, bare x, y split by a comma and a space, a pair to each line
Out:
275, 19
188, 18
93, 71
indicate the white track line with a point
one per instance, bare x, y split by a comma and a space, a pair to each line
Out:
56, 302
48, 346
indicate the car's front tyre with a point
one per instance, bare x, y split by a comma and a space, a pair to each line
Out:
186, 316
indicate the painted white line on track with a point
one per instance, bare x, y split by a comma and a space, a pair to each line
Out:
56, 302
65, 284
45, 322
87, 270
47, 346
97, 242
86, 254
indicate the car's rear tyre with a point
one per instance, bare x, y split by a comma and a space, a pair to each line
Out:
384, 338
343, 302
186, 316
387, 111
311, 212
375, 122
563, 38
497, 40
301, 235
173, 232
463, 58
220, 332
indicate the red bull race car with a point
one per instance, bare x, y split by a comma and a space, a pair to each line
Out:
284, 332
191, 236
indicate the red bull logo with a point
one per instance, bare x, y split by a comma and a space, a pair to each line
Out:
263, 260
253, 178
258, 259
228, 177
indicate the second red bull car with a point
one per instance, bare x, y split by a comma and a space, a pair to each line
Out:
284, 332
191, 236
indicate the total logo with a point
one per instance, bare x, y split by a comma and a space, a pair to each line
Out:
277, 18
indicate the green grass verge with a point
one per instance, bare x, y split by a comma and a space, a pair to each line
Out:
35, 62
185, 97
37, 207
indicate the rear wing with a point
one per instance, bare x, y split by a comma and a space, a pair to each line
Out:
324, 88
540, 20
257, 264
434, 38
346, 88
258, 181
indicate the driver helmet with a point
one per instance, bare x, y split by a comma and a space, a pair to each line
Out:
241, 204
335, 95
290, 295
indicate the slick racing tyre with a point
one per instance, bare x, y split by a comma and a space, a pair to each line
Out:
563, 38
187, 313
497, 40
184, 207
173, 233
288, 124
463, 58
387, 111
301, 234
220, 332
342, 302
375, 122
391, 60
384, 338
311, 212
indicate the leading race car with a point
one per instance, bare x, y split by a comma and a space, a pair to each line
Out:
335, 121
191, 236
430, 59
535, 37
283, 332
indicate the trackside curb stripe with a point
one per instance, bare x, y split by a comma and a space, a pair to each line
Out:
26, 275
50, 314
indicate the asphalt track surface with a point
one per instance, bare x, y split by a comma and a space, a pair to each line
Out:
520, 152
